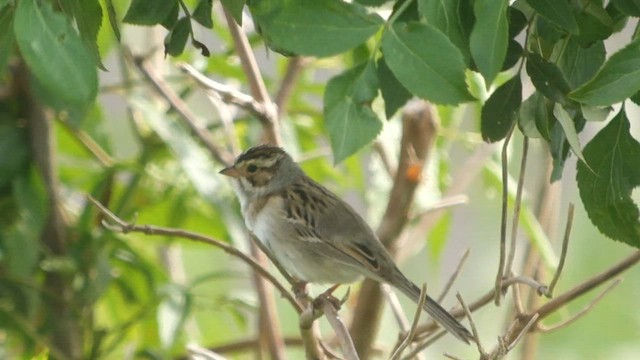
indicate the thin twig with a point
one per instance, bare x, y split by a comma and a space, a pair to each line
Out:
342, 334
396, 308
517, 206
524, 330
256, 82
417, 349
539, 287
225, 93
414, 325
125, 227
563, 254
384, 158
472, 324
503, 217
453, 276
582, 312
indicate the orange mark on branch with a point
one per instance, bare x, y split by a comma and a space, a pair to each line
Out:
414, 173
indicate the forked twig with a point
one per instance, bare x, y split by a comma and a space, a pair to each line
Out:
414, 325
582, 312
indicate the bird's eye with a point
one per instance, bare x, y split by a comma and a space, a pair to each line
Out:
252, 168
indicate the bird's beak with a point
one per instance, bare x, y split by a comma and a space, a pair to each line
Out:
230, 171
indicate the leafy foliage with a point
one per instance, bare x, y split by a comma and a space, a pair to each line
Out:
452, 53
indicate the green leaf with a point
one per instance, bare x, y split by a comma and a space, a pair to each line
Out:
617, 80
372, 2
409, 51
234, 7
578, 63
55, 53
489, 37
547, 78
6, 37
15, 149
629, 7
314, 27
594, 23
444, 16
88, 17
394, 94
202, 13
347, 110
556, 11
517, 21
113, 18
532, 109
501, 109
569, 129
514, 53
176, 39
149, 12
606, 194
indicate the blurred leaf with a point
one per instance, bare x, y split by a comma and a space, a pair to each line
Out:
444, 16
149, 12
88, 17
394, 94
606, 194
439, 235
578, 63
55, 53
557, 11
489, 37
202, 13
347, 110
113, 20
372, 2
617, 80
176, 39
629, 7
21, 241
234, 7
500, 111
408, 50
314, 27
547, 78
594, 113
569, 129
530, 110
14, 148
170, 21
6, 38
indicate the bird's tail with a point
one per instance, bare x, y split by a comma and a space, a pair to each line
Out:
439, 314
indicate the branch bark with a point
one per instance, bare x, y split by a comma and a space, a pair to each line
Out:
418, 136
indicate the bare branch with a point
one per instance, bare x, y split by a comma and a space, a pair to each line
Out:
256, 82
329, 308
517, 206
474, 330
124, 227
582, 312
414, 325
453, 276
503, 217
295, 66
563, 254
226, 93
178, 104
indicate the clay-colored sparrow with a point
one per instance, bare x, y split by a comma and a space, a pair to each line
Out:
315, 235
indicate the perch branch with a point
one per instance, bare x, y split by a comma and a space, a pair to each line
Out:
124, 227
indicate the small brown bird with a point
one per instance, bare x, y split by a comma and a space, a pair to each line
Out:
316, 236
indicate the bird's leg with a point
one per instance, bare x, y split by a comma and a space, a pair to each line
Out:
328, 294
299, 289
